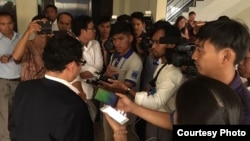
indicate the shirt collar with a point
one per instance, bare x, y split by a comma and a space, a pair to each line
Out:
2, 36
66, 83
236, 82
117, 55
88, 46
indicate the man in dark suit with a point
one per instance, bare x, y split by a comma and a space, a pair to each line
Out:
49, 109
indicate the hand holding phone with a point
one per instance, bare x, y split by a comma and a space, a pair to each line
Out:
106, 97
114, 114
46, 27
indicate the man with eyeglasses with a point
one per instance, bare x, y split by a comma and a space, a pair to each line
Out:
167, 79
49, 108
84, 29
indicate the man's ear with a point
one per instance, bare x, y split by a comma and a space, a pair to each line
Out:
131, 38
70, 66
83, 31
227, 55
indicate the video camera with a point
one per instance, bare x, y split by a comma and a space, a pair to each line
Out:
108, 45
181, 56
98, 77
145, 43
46, 27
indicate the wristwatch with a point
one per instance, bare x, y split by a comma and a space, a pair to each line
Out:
127, 91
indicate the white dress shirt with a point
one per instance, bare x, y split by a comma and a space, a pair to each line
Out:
94, 63
64, 82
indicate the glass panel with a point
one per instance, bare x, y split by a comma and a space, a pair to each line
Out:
75, 7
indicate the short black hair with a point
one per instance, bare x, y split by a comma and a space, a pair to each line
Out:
227, 34
224, 17
51, 6
191, 13
179, 18
80, 22
61, 50
138, 15
65, 13
39, 16
203, 100
5, 13
123, 18
121, 27
104, 19
169, 29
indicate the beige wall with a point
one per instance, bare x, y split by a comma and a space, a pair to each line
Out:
26, 10
244, 16
157, 7
129, 6
160, 9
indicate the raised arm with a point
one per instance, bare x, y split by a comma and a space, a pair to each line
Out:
20, 47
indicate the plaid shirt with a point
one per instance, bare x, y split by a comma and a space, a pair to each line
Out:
32, 63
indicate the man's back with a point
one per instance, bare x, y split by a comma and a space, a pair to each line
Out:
49, 111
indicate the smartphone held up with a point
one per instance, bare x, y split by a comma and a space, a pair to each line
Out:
46, 27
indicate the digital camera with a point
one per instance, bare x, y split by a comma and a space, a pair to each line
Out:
46, 27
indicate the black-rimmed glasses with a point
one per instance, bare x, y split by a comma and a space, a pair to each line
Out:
80, 62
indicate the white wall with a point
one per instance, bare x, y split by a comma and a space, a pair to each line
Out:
211, 9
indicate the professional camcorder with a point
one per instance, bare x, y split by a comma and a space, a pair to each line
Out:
146, 43
181, 55
108, 45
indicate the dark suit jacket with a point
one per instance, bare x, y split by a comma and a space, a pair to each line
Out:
45, 110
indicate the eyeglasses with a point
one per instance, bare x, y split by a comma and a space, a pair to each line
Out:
92, 28
80, 62
157, 42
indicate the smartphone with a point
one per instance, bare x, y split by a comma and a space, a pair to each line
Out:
46, 27
114, 114
106, 97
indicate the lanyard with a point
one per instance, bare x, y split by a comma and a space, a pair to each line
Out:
152, 82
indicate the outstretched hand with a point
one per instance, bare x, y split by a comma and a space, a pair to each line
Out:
125, 104
113, 85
